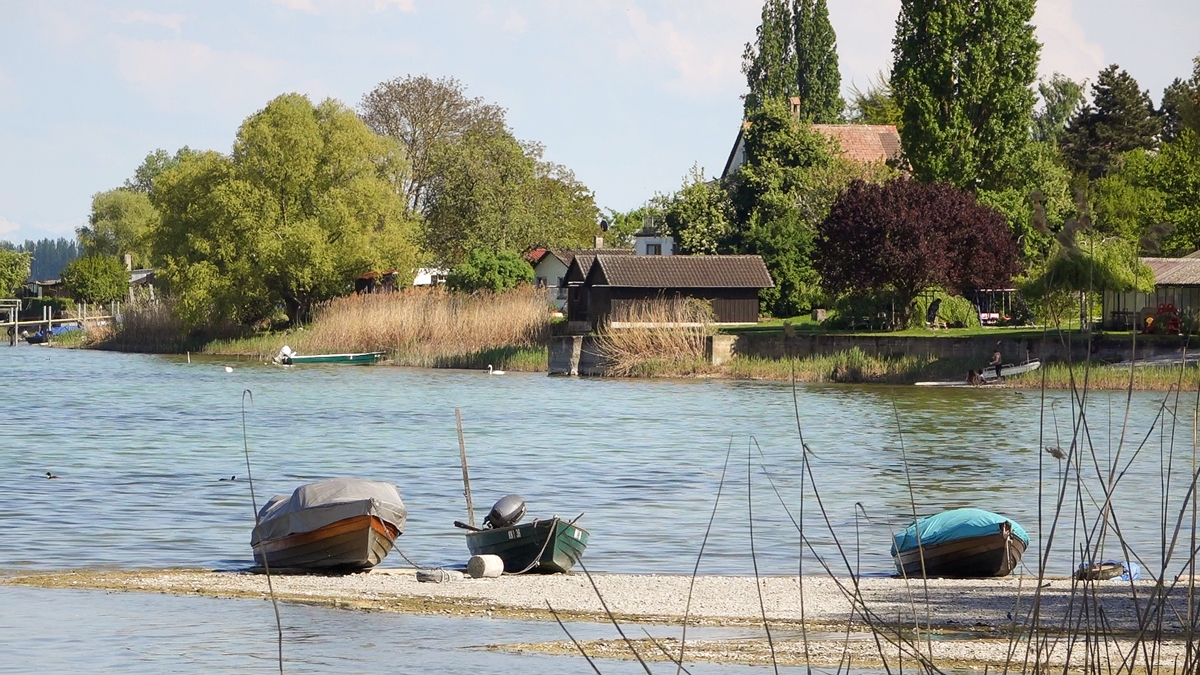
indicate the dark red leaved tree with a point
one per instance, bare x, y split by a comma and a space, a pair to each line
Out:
906, 236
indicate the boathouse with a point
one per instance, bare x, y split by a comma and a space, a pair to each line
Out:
599, 285
1176, 289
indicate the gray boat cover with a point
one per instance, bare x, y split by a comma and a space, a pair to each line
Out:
316, 505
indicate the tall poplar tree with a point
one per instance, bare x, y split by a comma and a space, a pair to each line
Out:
962, 77
1120, 118
818, 81
769, 63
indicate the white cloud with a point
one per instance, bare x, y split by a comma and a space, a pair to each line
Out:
342, 6
514, 23
171, 21
705, 60
7, 225
181, 73
1065, 47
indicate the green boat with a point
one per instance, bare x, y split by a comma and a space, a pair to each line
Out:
539, 546
361, 359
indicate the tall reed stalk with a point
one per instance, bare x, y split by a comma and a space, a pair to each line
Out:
662, 336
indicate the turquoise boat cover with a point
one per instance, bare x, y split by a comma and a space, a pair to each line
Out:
951, 525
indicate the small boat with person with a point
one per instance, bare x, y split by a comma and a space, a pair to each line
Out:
288, 357
546, 546
336, 525
987, 375
959, 544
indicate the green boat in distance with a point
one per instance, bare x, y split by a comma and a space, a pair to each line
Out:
540, 546
361, 359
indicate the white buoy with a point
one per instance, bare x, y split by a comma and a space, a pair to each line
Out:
485, 566
228, 369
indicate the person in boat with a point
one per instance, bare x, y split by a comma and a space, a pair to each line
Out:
996, 360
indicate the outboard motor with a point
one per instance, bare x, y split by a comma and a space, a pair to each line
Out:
508, 511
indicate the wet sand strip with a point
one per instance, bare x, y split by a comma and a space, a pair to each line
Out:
972, 619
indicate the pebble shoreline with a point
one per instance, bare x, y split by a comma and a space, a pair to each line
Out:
978, 611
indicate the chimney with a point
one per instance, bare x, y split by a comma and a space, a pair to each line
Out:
599, 241
128, 262
794, 104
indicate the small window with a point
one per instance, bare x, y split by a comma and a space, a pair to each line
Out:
653, 249
560, 282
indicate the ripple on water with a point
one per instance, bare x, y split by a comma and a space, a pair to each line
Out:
140, 442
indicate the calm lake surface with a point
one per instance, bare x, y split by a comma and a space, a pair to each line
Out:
141, 441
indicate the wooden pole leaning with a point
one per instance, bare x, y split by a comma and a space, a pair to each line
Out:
462, 454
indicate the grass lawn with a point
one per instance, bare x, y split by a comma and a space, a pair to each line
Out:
805, 325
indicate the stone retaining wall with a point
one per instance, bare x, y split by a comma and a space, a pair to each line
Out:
577, 354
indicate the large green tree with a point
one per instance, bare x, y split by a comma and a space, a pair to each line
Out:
791, 176
96, 278
818, 80
307, 201
1120, 118
489, 191
153, 166
484, 270
1061, 99
120, 223
700, 215
14, 270
769, 63
1181, 104
1150, 189
962, 76
422, 114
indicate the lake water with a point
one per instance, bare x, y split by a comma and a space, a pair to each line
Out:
141, 441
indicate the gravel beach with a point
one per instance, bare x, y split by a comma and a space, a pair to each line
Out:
973, 617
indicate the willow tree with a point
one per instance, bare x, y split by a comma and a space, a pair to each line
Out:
962, 77
308, 201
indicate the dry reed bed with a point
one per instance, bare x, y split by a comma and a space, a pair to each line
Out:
661, 337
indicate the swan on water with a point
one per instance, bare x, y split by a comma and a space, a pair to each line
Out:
228, 369
492, 371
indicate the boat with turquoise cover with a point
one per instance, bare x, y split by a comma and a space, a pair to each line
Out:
960, 543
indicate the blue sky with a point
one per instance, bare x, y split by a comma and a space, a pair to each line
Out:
627, 94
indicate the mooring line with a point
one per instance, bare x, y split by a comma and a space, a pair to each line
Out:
254, 503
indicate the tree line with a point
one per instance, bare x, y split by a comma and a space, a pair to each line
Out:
313, 195
1068, 178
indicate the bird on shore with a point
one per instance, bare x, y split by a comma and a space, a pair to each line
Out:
492, 371
227, 480
51, 475
1056, 452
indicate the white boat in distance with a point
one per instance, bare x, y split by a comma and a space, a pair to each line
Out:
977, 378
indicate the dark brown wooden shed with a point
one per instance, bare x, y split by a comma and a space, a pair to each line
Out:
602, 284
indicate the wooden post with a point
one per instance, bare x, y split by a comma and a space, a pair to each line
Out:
462, 454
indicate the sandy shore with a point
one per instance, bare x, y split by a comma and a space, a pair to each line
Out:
973, 618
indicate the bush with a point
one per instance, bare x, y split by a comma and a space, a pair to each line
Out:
96, 278
955, 310
484, 270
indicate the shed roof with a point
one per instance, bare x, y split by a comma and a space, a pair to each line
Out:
680, 271
1175, 271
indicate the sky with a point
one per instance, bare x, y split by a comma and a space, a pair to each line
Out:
627, 94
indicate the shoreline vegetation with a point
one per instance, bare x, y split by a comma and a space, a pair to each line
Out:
434, 328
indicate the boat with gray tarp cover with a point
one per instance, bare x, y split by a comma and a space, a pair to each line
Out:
341, 524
